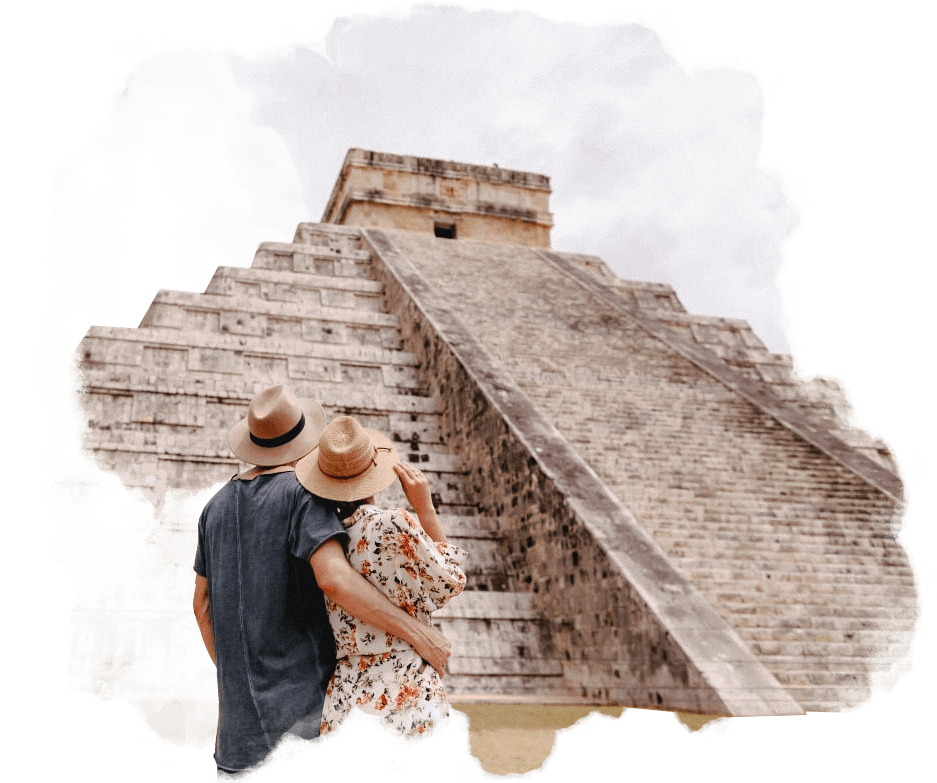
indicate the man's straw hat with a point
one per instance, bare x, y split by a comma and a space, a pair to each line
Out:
350, 462
279, 428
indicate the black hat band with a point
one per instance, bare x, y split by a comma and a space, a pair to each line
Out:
272, 443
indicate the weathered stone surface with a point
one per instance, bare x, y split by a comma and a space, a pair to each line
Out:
645, 525
160, 400
427, 195
557, 517
708, 472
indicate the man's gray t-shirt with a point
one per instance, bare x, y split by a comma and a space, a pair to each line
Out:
273, 642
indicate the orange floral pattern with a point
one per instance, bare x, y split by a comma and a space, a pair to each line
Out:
377, 672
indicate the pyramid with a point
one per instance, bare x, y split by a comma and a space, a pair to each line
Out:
658, 513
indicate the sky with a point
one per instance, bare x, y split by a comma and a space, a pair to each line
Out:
655, 164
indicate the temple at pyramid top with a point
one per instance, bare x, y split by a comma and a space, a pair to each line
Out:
443, 198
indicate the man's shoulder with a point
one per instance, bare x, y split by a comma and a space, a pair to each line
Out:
219, 499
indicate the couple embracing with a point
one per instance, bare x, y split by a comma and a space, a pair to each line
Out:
310, 599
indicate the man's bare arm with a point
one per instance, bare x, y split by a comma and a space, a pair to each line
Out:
351, 591
203, 615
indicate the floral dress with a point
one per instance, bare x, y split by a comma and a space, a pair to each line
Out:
376, 671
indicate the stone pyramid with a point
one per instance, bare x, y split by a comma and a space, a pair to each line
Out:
658, 513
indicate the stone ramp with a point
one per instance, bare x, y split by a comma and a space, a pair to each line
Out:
161, 398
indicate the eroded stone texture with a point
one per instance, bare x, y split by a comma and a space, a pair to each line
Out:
160, 400
640, 532
770, 529
441, 198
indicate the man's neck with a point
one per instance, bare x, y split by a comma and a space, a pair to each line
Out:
256, 471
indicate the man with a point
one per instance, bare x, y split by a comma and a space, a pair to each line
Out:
267, 550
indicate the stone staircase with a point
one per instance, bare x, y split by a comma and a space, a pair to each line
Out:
800, 559
787, 532
161, 398
825, 597
810, 574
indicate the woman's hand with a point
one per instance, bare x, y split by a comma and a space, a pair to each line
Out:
416, 488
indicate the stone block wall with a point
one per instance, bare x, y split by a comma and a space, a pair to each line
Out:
605, 629
769, 528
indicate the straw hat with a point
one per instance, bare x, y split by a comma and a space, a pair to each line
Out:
350, 462
279, 428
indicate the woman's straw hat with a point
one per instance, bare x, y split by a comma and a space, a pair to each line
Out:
279, 428
350, 462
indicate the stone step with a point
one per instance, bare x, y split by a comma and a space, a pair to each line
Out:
493, 606
878, 548
730, 600
793, 607
717, 574
514, 689
447, 490
796, 483
250, 315
852, 502
815, 698
829, 663
715, 579
327, 235
336, 247
848, 544
486, 667
228, 280
119, 345
775, 515
823, 649
875, 636
168, 440
113, 417
820, 624
234, 375
334, 397
808, 592
492, 637
469, 526
415, 430
311, 259
284, 287
842, 533
154, 473
486, 557
804, 563
845, 514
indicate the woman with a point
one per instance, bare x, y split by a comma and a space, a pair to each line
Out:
407, 559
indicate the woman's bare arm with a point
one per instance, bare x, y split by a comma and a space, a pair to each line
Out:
416, 488
351, 591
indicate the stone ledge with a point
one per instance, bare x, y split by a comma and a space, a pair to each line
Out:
304, 311
327, 230
157, 336
317, 251
328, 395
443, 168
296, 279
482, 605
